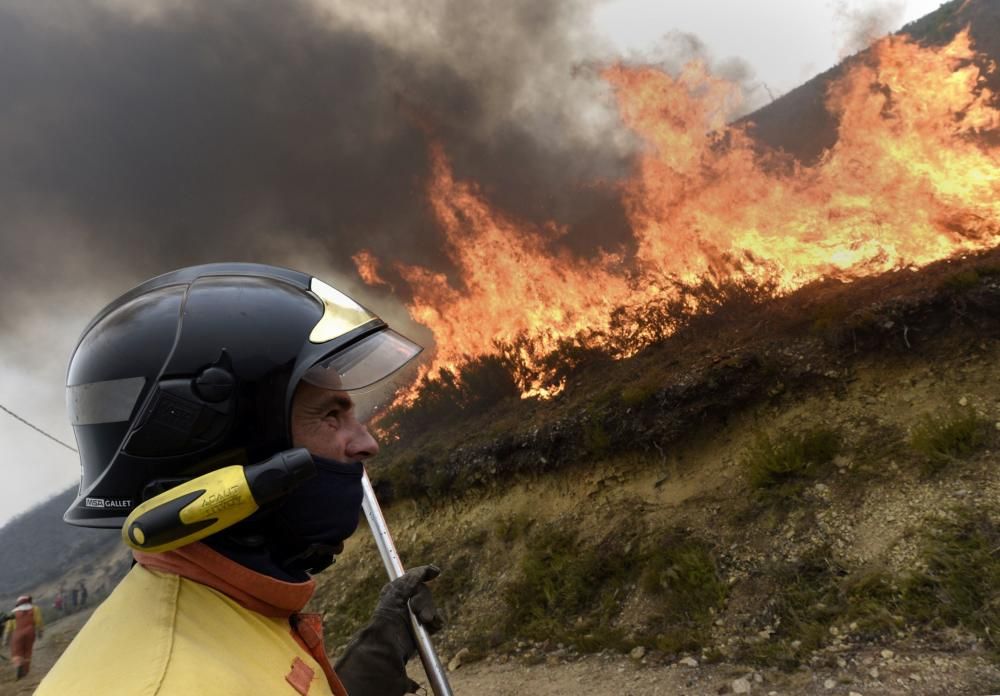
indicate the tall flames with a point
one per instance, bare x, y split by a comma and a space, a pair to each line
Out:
909, 181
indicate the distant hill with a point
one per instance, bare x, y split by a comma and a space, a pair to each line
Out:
37, 547
798, 122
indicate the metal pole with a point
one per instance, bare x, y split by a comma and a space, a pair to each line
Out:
394, 567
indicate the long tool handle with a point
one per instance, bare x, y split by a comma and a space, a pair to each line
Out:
394, 567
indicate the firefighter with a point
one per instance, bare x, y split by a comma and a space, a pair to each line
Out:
220, 413
20, 632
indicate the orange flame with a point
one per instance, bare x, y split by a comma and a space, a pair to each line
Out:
908, 182
367, 265
511, 280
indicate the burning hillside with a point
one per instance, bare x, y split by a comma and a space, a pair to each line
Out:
912, 178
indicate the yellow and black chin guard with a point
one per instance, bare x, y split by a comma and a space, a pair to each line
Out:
214, 501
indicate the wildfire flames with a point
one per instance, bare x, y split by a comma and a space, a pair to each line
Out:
909, 181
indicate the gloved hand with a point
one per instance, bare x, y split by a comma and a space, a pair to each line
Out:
374, 663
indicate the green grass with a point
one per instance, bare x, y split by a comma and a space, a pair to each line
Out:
773, 462
510, 528
942, 439
813, 594
681, 577
595, 438
573, 594
960, 586
640, 392
962, 280
567, 593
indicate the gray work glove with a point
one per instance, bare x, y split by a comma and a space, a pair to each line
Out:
374, 663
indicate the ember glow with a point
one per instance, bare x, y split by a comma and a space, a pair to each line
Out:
909, 181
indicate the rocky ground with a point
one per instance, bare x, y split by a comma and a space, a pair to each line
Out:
868, 512
864, 672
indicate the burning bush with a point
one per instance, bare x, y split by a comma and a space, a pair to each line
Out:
480, 383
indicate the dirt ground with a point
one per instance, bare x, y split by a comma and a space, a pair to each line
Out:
617, 676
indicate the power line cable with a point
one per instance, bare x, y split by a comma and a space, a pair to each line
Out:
36, 428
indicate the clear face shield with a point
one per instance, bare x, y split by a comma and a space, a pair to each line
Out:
369, 371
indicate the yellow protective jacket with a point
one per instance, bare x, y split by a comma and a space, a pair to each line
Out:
192, 621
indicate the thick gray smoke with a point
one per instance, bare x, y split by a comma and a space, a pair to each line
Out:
137, 140
862, 26
137, 136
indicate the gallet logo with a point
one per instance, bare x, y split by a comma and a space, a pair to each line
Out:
108, 503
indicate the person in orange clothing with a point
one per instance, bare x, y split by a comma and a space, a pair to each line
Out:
20, 633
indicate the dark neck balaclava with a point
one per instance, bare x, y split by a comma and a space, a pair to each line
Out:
303, 533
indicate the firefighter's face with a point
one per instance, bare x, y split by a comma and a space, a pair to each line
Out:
323, 422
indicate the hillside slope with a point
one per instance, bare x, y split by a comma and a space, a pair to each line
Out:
798, 122
808, 495
38, 551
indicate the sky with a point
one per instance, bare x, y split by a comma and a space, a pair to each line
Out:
142, 135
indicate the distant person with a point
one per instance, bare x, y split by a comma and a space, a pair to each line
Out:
262, 378
74, 595
20, 632
83, 594
59, 603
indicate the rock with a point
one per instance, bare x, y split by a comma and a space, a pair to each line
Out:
888, 654
458, 660
741, 686
829, 684
638, 652
853, 693
873, 673
688, 662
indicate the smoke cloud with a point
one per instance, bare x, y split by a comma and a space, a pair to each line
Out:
861, 26
139, 136
147, 136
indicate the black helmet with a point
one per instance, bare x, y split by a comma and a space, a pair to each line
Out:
195, 370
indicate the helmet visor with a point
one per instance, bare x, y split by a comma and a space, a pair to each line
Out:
368, 370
